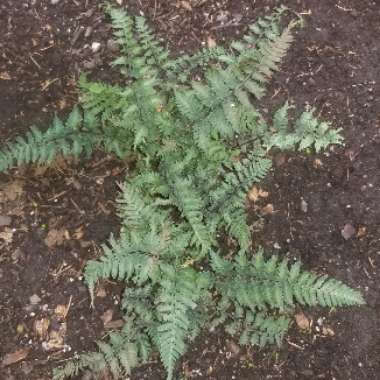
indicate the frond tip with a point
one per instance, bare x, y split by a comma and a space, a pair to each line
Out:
72, 137
118, 357
176, 300
271, 284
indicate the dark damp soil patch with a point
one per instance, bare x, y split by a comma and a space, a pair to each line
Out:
60, 216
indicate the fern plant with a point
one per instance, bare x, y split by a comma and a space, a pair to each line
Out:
198, 146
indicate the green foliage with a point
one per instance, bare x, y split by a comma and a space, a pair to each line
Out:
75, 136
117, 357
170, 308
194, 128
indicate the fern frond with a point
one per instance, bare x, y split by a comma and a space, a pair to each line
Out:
142, 54
124, 260
182, 69
238, 179
178, 296
309, 132
260, 63
138, 213
262, 329
191, 205
118, 356
70, 138
154, 53
270, 284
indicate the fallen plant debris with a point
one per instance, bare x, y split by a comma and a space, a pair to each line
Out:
256, 193
302, 321
15, 357
55, 237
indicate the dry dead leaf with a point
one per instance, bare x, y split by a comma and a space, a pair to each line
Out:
20, 328
186, 5
61, 161
268, 209
56, 337
254, 194
15, 357
55, 237
106, 317
317, 163
211, 43
62, 104
328, 331
11, 191
41, 327
61, 311
101, 292
7, 235
362, 231
40, 170
78, 233
5, 76
302, 321
55, 342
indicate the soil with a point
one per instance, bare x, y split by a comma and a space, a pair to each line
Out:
325, 207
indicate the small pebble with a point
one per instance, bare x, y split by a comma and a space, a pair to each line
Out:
348, 231
304, 205
88, 32
95, 47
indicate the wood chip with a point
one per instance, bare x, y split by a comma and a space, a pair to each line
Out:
268, 209
255, 193
41, 327
302, 321
328, 331
7, 235
186, 5
106, 317
211, 43
5, 76
55, 237
362, 231
15, 357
